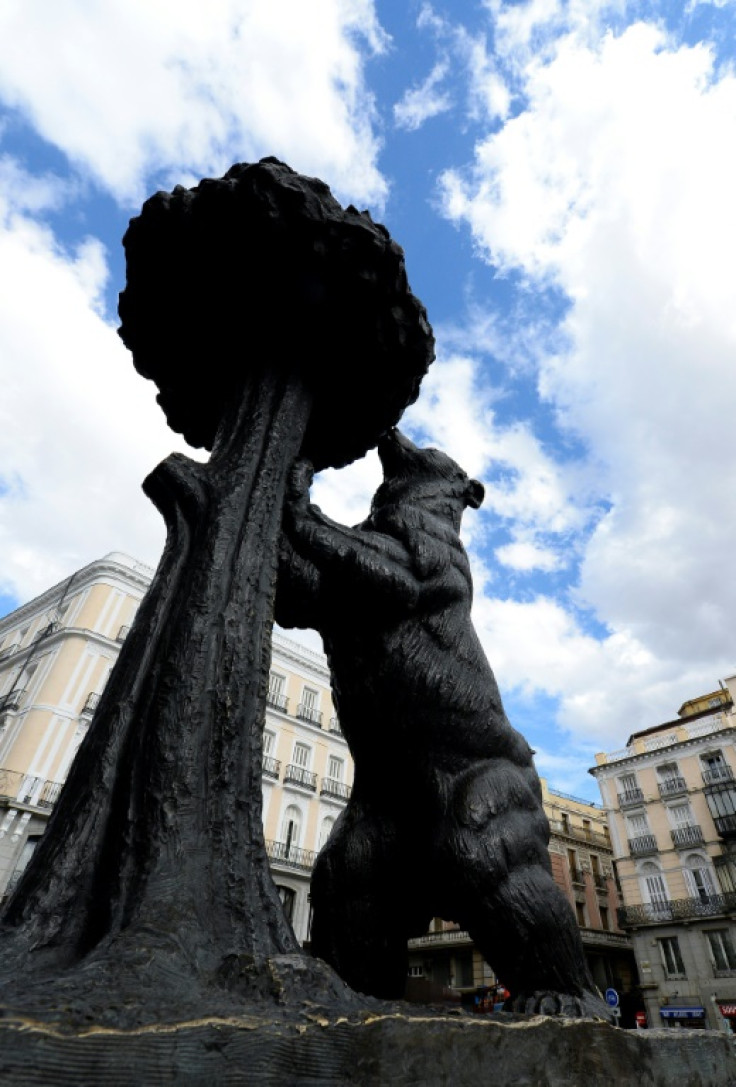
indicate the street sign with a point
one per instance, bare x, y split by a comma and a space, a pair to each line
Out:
612, 998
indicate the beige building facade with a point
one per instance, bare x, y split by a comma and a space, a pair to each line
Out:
56, 653
670, 796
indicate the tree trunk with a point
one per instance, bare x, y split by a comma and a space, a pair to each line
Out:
155, 850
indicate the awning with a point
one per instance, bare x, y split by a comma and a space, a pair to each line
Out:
727, 1009
693, 1011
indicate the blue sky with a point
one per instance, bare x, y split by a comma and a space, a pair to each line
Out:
562, 178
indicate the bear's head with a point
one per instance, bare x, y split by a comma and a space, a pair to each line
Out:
421, 479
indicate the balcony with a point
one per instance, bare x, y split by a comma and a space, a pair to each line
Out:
278, 701
438, 939
335, 726
725, 825
643, 845
291, 856
336, 789
675, 786
28, 791
677, 909
308, 713
630, 797
716, 774
577, 876
601, 883
689, 835
13, 700
271, 767
297, 775
122, 634
580, 834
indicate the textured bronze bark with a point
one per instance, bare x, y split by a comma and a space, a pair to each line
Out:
257, 305
445, 817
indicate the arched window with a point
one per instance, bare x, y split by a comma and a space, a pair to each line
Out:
326, 829
654, 891
291, 829
699, 877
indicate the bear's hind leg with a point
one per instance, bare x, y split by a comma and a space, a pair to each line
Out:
357, 925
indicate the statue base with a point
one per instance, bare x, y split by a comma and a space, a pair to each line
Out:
403, 1048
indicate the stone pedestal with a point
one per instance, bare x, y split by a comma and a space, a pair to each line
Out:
368, 1050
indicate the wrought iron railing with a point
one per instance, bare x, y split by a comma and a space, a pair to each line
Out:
91, 702
332, 787
630, 797
672, 786
291, 855
28, 790
335, 726
297, 775
717, 774
278, 701
581, 834
271, 767
308, 713
689, 835
725, 825
645, 843
676, 909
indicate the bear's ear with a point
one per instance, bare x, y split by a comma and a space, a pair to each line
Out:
474, 494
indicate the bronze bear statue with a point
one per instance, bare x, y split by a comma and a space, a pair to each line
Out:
445, 817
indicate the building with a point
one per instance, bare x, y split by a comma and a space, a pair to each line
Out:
581, 856
56, 653
670, 795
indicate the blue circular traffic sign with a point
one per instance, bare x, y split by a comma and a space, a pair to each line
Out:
612, 998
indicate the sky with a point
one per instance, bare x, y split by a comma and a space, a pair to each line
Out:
562, 178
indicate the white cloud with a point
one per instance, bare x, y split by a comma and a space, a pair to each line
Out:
126, 88
424, 101
615, 184
527, 555
79, 429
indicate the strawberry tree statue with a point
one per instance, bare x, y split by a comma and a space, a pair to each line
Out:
275, 324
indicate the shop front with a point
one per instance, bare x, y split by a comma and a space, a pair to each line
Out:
683, 1015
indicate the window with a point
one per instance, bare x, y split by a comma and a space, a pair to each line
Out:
325, 830
713, 761
291, 830
29, 848
638, 825
310, 699
288, 899
680, 815
335, 768
669, 948
726, 871
605, 922
269, 738
301, 755
565, 823
654, 891
721, 950
580, 914
628, 782
276, 691
416, 971
699, 878
668, 772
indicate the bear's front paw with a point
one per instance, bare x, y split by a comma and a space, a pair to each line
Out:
545, 1002
300, 479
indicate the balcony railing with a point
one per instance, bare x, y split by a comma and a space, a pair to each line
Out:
444, 936
581, 834
629, 797
278, 701
291, 855
13, 700
645, 843
601, 882
308, 713
577, 876
335, 726
717, 774
676, 909
334, 788
690, 835
122, 634
30, 791
672, 786
271, 767
91, 702
726, 825
297, 775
